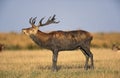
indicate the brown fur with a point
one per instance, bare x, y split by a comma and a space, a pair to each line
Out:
115, 47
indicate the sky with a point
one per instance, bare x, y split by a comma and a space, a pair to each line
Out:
89, 15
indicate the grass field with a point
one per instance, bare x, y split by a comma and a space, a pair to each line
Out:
37, 64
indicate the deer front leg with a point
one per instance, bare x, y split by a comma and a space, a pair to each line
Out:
54, 60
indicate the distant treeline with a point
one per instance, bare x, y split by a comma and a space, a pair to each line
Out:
18, 41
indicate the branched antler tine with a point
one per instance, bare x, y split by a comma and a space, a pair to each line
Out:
53, 19
40, 22
49, 21
34, 20
30, 20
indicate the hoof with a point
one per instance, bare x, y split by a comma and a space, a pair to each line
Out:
54, 70
88, 67
91, 67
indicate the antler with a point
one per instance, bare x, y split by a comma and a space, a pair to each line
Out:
49, 21
32, 21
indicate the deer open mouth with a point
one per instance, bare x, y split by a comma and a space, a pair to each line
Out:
24, 31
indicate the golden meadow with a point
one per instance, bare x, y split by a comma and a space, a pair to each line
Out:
15, 41
37, 64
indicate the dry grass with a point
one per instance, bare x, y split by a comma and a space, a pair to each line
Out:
105, 40
37, 64
16, 41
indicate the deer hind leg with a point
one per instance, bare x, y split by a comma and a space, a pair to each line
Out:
87, 58
88, 55
92, 61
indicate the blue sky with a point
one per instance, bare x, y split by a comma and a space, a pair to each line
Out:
90, 15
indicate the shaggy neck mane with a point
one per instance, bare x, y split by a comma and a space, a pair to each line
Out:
40, 37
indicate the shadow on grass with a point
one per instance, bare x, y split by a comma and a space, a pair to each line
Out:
59, 67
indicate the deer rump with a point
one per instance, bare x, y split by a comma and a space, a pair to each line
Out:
63, 40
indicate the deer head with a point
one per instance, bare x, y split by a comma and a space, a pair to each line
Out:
34, 29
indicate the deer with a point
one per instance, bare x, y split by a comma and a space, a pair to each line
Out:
115, 47
57, 41
1, 47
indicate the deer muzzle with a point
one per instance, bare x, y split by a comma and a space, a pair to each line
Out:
24, 31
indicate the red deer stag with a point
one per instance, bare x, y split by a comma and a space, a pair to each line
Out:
116, 47
1, 47
60, 40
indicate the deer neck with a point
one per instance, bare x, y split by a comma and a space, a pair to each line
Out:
40, 38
